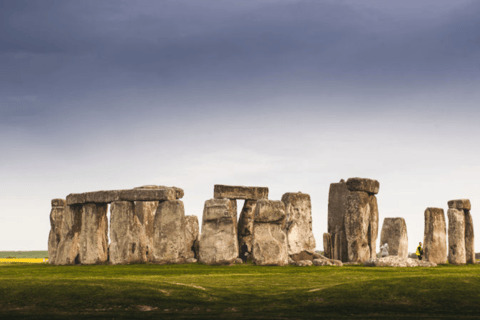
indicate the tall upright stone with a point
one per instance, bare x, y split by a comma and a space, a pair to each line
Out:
56, 233
435, 237
456, 236
394, 233
127, 234
269, 239
336, 225
218, 240
327, 245
68, 250
361, 219
191, 236
459, 213
94, 234
298, 225
169, 243
245, 224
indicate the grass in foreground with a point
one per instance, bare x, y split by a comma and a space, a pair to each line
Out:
241, 291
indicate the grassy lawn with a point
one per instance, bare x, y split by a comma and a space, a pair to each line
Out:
240, 292
24, 254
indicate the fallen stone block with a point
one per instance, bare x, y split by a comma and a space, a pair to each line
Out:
361, 184
304, 263
461, 204
396, 261
456, 237
435, 238
298, 223
394, 233
218, 240
240, 192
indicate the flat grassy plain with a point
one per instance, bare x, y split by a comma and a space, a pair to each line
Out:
24, 254
147, 291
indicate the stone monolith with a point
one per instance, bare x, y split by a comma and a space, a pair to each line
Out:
394, 233
336, 225
298, 224
218, 241
456, 236
245, 225
56, 222
435, 236
94, 234
69, 246
464, 206
127, 234
191, 236
169, 242
269, 239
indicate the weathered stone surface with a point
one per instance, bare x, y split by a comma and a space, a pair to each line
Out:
318, 257
94, 234
56, 224
75, 198
327, 245
240, 192
394, 233
59, 202
238, 261
336, 226
361, 226
218, 240
269, 239
191, 236
191, 260
142, 194
145, 213
435, 238
304, 255
245, 225
269, 245
456, 237
461, 204
364, 185
169, 245
469, 238
69, 245
396, 261
298, 223
269, 211
127, 234
322, 262
304, 263
178, 191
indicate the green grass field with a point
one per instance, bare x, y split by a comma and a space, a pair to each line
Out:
240, 292
23, 254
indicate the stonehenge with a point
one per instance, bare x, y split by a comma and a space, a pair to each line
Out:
435, 236
353, 220
148, 225
394, 233
460, 232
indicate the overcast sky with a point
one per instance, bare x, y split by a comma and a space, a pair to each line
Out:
288, 94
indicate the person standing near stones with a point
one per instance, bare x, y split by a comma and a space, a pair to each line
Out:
244, 252
419, 252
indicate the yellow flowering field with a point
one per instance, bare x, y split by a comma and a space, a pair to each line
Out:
31, 260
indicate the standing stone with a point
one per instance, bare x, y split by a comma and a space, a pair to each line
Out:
145, 212
245, 225
336, 225
327, 245
456, 236
298, 224
191, 236
435, 238
127, 234
218, 241
94, 234
465, 206
469, 238
361, 220
169, 245
56, 221
269, 239
69, 247
394, 233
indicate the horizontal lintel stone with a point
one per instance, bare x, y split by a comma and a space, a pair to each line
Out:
363, 184
460, 204
122, 195
59, 202
240, 192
